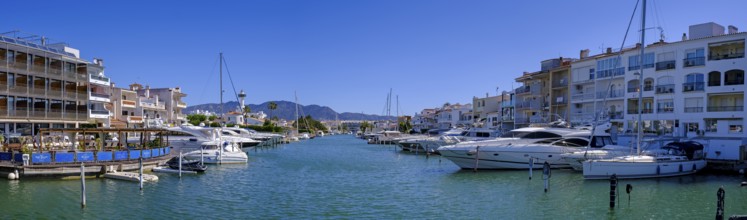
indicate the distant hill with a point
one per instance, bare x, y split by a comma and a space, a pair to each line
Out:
287, 110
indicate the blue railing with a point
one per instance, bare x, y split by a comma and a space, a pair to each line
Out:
86, 156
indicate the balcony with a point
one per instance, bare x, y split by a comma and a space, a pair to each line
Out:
734, 108
726, 56
522, 90
40, 69
54, 113
99, 79
152, 105
634, 89
559, 84
135, 119
616, 115
55, 93
70, 94
99, 95
644, 111
731, 82
181, 104
665, 65
666, 109
18, 89
19, 112
617, 93
100, 112
38, 91
695, 61
693, 109
129, 103
664, 89
611, 72
39, 113
582, 96
693, 86
181, 117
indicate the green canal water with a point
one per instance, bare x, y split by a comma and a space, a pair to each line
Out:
343, 177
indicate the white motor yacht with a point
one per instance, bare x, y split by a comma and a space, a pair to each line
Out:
245, 142
222, 152
673, 159
514, 149
208, 145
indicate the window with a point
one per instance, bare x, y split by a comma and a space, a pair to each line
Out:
648, 61
633, 85
734, 77
665, 106
609, 67
693, 105
714, 78
665, 84
692, 127
711, 125
693, 82
726, 50
648, 84
694, 57
735, 128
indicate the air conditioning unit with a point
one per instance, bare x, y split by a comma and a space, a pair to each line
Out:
689, 88
690, 63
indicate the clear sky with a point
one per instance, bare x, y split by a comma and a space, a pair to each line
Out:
347, 54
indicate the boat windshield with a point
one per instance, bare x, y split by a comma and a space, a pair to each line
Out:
515, 134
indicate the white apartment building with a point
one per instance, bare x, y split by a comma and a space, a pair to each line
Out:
45, 85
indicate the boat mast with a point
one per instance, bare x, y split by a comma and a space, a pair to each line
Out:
398, 113
221, 83
640, 77
297, 122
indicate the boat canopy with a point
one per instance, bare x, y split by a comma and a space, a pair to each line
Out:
686, 148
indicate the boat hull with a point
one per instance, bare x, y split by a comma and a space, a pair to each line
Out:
637, 170
503, 159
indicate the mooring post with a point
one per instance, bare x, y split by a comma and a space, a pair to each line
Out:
202, 155
82, 186
531, 167
613, 190
180, 163
141, 173
720, 204
546, 174
477, 158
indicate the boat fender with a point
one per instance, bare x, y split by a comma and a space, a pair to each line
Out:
628, 189
695, 167
658, 170
680, 167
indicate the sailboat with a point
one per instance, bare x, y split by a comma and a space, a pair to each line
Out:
673, 159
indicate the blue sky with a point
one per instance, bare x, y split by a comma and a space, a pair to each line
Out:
346, 54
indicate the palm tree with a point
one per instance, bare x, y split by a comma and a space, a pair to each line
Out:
272, 106
247, 110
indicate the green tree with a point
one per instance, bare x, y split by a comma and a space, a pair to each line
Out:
196, 119
272, 106
365, 125
212, 118
405, 126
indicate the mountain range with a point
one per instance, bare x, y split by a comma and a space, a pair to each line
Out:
287, 110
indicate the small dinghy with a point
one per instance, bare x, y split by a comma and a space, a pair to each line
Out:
187, 165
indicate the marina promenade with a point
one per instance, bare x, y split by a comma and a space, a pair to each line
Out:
344, 177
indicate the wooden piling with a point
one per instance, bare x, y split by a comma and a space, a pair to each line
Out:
82, 186
180, 163
141, 173
613, 190
477, 158
531, 167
